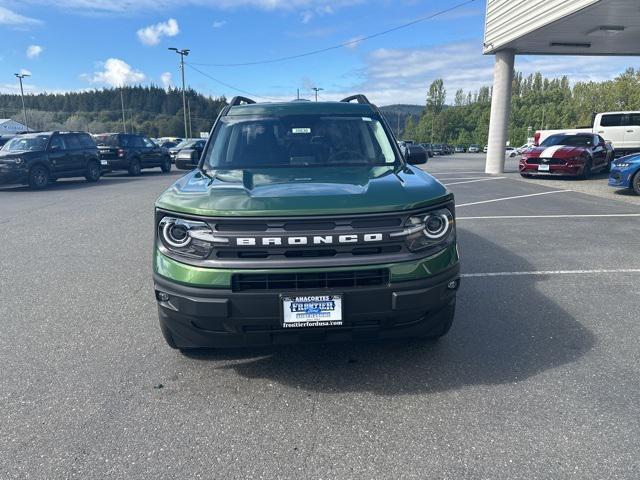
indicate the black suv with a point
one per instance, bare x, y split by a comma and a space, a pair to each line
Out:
125, 151
37, 159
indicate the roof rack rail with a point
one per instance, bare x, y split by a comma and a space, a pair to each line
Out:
359, 98
240, 100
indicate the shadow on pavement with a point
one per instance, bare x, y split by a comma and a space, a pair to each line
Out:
79, 183
505, 331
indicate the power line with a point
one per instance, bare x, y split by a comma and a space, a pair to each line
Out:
341, 45
190, 65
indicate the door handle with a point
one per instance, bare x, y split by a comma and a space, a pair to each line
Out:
630, 131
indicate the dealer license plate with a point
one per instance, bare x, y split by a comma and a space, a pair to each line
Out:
543, 168
104, 162
305, 311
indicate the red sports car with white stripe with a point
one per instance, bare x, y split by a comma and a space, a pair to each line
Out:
579, 154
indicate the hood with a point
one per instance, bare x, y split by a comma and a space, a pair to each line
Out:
635, 159
556, 151
303, 191
5, 155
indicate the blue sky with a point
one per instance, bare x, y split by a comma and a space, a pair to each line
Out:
85, 44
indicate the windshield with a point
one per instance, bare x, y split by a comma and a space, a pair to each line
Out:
107, 140
300, 140
186, 144
26, 144
568, 140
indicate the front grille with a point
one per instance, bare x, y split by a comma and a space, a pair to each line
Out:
306, 281
548, 161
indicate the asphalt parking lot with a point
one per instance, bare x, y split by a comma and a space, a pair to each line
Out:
539, 377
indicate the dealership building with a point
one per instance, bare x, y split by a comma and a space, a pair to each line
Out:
549, 27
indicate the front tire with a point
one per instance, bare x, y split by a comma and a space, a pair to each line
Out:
93, 172
39, 177
135, 169
635, 183
586, 172
165, 166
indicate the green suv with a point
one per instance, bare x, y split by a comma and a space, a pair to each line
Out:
304, 223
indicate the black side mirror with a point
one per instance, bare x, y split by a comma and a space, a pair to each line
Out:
416, 156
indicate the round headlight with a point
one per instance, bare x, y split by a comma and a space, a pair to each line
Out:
176, 234
436, 226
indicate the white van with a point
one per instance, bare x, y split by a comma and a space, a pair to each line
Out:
622, 129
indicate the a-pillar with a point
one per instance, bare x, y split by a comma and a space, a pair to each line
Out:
500, 110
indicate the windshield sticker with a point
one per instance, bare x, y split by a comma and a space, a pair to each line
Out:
367, 119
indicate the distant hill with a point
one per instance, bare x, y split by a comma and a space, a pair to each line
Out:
398, 115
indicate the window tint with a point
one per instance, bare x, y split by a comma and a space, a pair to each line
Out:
633, 119
108, 140
611, 120
57, 142
136, 141
568, 140
148, 143
72, 142
87, 141
299, 140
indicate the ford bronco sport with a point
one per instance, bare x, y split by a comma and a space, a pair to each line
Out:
304, 223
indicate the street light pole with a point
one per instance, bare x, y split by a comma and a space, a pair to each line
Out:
20, 76
317, 89
124, 121
183, 53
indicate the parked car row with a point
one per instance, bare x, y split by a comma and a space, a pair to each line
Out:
38, 159
580, 155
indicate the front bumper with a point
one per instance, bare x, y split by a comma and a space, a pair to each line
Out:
573, 170
212, 318
203, 310
13, 175
621, 177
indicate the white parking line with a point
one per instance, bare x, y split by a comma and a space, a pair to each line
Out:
462, 178
474, 181
511, 198
604, 215
550, 272
453, 173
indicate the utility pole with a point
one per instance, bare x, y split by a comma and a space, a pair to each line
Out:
316, 89
20, 76
124, 120
183, 53
398, 123
298, 94
189, 110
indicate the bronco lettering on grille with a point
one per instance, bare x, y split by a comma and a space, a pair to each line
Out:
311, 240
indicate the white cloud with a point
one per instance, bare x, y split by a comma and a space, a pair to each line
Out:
116, 73
9, 17
152, 34
403, 75
219, 23
24, 71
34, 51
166, 80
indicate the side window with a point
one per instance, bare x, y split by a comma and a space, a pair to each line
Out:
633, 119
611, 120
136, 142
72, 142
124, 141
87, 141
56, 143
148, 143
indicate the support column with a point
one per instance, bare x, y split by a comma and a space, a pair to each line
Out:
500, 110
